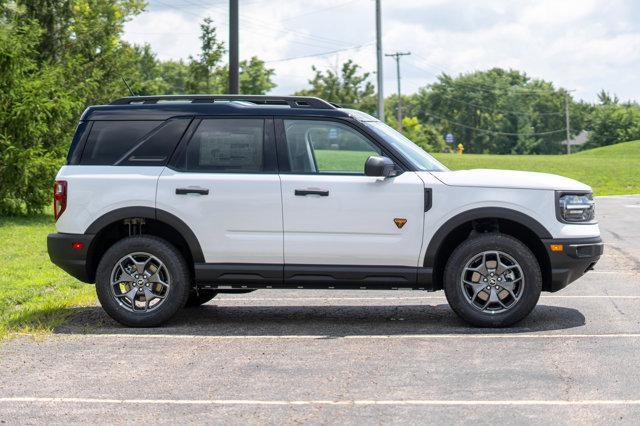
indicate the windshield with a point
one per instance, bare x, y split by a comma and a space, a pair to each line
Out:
412, 152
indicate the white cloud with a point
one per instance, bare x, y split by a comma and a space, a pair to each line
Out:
554, 12
585, 45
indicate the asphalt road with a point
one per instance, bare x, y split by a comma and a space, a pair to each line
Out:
349, 357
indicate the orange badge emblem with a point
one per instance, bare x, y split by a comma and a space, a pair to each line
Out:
399, 221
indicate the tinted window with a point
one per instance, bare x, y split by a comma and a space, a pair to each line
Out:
110, 140
73, 157
316, 146
227, 145
156, 147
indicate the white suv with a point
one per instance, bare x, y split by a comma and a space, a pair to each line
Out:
168, 201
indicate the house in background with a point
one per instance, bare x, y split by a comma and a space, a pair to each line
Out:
580, 139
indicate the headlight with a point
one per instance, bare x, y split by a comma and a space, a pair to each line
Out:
575, 208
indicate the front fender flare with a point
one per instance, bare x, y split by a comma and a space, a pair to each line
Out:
476, 214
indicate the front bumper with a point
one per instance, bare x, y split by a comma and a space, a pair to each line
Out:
71, 260
578, 256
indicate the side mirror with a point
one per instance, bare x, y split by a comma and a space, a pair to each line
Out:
380, 166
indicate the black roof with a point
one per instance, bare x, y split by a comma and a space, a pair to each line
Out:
164, 107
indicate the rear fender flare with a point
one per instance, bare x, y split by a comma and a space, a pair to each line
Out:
151, 213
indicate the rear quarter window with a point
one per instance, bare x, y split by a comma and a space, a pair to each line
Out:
155, 148
109, 141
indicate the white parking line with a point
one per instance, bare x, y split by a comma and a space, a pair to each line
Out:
329, 298
361, 336
353, 402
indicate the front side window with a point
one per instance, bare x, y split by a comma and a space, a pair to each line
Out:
316, 146
227, 146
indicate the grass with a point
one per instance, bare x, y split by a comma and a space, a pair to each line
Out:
35, 295
340, 161
610, 170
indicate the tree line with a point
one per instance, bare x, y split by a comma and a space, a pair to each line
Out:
59, 56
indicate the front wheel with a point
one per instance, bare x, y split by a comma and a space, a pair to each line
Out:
492, 280
142, 281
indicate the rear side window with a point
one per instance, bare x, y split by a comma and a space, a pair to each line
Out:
110, 140
155, 148
227, 146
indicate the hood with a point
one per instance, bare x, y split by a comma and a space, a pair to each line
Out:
509, 179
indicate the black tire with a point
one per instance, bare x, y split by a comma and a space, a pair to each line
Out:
473, 247
200, 297
175, 264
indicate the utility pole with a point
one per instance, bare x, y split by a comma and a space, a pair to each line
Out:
379, 60
234, 74
567, 122
397, 56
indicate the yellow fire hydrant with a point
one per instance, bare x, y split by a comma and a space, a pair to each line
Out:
460, 149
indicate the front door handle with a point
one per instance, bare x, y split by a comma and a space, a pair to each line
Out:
320, 192
198, 191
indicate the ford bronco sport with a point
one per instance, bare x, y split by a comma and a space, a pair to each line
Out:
167, 201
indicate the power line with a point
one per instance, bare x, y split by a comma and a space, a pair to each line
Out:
489, 109
491, 88
257, 23
495, 132
284, 30
311, 12
319, 54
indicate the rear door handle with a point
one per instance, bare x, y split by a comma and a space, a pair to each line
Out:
199, 191
320, 192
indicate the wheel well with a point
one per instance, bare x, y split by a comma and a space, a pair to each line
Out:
123, 228
505, 226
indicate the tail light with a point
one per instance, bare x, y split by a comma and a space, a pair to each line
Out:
59, 197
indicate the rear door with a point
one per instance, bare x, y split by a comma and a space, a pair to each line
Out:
224, 185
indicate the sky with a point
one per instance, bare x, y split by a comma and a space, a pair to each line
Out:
580, 45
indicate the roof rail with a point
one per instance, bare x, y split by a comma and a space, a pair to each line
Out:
291, 101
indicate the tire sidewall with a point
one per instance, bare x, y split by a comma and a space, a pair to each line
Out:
487, 242
173, 261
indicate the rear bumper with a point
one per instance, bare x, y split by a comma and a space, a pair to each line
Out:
73, 261
579, 256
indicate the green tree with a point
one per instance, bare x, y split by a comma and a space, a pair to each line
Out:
611, 123
56, 57
204, 72
175, 74
208, 74
425, 136
496, 111
36, 110
255, 77
348, 88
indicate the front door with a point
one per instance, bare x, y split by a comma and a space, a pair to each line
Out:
225, 187
335, 215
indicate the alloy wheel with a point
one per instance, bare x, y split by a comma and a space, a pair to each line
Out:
492, 282
140, 282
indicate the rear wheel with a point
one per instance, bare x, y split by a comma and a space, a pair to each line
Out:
142, 281
200, 297
492, 280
